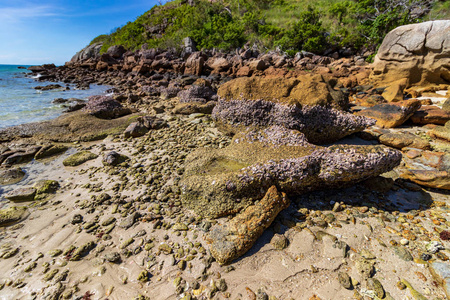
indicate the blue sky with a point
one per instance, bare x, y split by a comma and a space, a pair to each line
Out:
38, 32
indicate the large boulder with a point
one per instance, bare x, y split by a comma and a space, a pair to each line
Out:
116, 51
418, 52
219, 182
91, 51
105, 107
320, 125
303, 90
194, 64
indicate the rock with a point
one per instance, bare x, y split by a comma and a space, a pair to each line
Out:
105, 107
169, 92
446, 105
21, 194
428, 168
113, 158
441, 132
116, 51
79, 158
219, 182
91, 51
197, 93
345, 280
12, 215
50, 150
194, 107
238, 235
11, 176
218, 65
82, 251
402, 140
48, 87
151, 122
305, 90
194, 64
376, 286
394, 91
393, 114
135, 129
279, 241
257, 65
320, 125
46, 186
430, 114
441, 273
403, 253
415, 52
113, 257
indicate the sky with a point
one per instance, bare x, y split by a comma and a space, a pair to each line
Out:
34, 32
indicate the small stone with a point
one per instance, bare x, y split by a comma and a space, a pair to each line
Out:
79, 158
403, 253
21, 194
279, 241
434, 246
165, 248
344, 280
375, 285
113, 257
404, 242
54, 253
143, 276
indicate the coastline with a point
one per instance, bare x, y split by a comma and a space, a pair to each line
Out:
123, 231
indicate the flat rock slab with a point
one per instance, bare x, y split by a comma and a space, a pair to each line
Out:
11, 176
441, 132
237, 236
427, 168
12, 215
21, 194
430, 114
402, 140
220, 182
79, 158
393, 114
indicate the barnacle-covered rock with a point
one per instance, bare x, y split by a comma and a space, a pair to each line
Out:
224, 181
237, 236
319, 124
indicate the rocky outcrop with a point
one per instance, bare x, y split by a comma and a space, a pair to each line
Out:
418, 52
303, 90
91, 51
223, 181
320, 125
237, 236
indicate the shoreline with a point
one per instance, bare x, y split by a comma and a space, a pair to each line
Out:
123, 230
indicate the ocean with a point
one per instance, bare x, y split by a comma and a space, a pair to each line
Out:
20, 103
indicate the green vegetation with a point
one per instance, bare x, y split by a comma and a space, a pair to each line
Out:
291, 25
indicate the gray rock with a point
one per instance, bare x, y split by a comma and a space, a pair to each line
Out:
21, 194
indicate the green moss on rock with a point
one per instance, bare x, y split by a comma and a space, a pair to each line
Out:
79, 158
12, 215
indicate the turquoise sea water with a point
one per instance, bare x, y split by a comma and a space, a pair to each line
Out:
20, 103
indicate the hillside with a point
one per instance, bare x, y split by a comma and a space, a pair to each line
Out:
291, 25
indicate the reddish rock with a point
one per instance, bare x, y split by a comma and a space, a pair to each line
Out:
218, 65
194, 64
244, 72
393, 114
257, 65
402, 140
430, 115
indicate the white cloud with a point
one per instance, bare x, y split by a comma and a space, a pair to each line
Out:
17, 14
